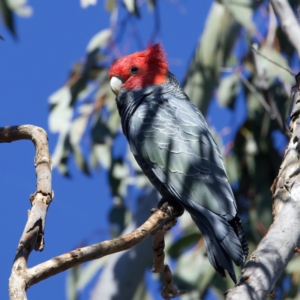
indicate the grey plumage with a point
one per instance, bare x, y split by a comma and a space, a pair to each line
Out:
171, 142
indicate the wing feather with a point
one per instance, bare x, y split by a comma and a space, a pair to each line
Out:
173, 140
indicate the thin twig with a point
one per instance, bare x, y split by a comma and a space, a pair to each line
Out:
258, 96
271, 61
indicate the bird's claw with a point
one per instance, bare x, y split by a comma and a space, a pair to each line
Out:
170, 206
272, 294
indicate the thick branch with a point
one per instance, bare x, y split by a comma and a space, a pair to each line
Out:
288, 21
33, 234
22, 277
68, 260
268, 261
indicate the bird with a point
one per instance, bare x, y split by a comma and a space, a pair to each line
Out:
172, 143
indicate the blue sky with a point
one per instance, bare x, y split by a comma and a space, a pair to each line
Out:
33, 67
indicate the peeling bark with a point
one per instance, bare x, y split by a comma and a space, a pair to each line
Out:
288, 21
277, 248
33, 234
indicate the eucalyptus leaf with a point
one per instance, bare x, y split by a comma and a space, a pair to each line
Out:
20, 7
293, 265
89, 271
79, 125
99, 40
242, 11
151, 4
102, 153
232, 168
183, 243
228, 90
273, 65
131, 5
7, 16
212, 53
61, 113
72, 279
193, 269
80, 159
142, 292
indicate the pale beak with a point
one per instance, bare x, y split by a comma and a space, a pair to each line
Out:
116, 84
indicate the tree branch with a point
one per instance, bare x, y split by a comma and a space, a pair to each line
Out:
277, 248
288, 21
268, 261
80, 255
32, 238
33, 234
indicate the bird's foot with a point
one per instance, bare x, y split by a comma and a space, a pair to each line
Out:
170, 206
272, 294
172, 210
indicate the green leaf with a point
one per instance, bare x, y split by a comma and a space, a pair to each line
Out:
151, 4
101, 153
228, 89
180, 245
117, 216
80, 160
242, 12
119, 177
194, 270
79, 125
7, 16
253, 106
268, 65
213, 52
131, 6
60, 121
61, 113
99, 40
110, 5
72, 279
100, 133
20, 8
293, 265
141, 292
89, 271
232, 168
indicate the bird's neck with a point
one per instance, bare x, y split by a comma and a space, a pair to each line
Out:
127, 103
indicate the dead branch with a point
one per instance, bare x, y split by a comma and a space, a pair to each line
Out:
32, 238
33, 234
277, 248
80, 255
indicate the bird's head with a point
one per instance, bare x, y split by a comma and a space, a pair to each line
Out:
140, 69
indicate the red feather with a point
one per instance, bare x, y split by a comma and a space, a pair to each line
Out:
152, 68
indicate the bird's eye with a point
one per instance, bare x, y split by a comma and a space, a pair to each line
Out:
134, 70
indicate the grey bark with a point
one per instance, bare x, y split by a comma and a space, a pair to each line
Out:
277, 248
33, 234
288, 21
